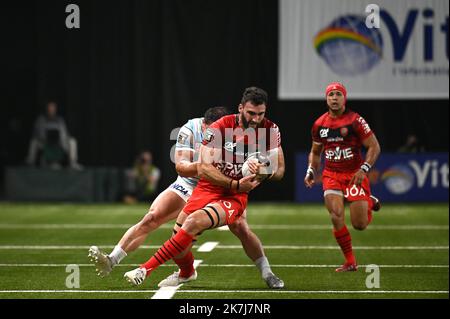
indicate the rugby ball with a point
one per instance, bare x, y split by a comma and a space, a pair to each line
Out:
245, 168
256, 158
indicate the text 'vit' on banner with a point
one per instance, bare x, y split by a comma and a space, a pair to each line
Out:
383, 49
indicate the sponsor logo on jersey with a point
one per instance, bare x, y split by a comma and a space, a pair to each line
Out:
364, 124
182, 137
228, 207
230, 146
339, 154
230, 169
335, 139
209, 135
337, 134
324, 132
354, 191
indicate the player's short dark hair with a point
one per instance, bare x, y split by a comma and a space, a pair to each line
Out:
254, 95
215, 113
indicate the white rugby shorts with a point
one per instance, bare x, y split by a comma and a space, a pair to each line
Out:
181, 188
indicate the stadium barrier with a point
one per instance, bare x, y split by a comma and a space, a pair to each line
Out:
101, 184
395, 177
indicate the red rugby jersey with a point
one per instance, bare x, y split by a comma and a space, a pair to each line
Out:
237, 144
342, 139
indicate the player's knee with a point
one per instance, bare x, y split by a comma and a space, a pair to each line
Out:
336, 215
149, 222
241, 232
194, 224
238, 233
234, 228
359, 225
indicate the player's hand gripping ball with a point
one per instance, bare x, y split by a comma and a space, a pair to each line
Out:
263, 171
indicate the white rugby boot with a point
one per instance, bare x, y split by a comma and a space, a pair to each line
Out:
136, 276
174, 279
274, 282
102, 262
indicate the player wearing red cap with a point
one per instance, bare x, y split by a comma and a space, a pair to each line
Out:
340, 134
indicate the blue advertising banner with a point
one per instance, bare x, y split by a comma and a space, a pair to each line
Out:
394, 178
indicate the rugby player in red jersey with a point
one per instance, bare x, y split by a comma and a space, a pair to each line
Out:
170, 203
340, 134
220, 197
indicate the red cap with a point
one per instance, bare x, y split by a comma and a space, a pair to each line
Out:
336, 86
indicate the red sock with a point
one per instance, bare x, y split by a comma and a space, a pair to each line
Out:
345, 241
168, 250
186, 264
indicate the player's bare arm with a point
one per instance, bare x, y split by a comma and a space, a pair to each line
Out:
313, 164
184, 163
206, 170
279, 173
373, 151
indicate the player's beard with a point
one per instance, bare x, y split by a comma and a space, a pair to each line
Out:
246, 124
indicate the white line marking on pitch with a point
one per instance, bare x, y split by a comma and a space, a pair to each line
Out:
231, 265
168, 292
334, 247
324, 291
63, 247
208, 246
329, 227
242, 291
65, 226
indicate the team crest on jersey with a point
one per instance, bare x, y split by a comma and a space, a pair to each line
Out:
344, 131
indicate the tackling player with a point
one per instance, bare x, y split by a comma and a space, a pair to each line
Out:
220, 197
169, 204
340, 134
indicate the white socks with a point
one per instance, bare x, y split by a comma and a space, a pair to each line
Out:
117, 255
263, 265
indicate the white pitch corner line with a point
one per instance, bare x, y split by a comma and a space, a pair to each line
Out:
168, 292
208, 246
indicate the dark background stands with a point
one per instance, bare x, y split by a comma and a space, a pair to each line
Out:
135, 70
